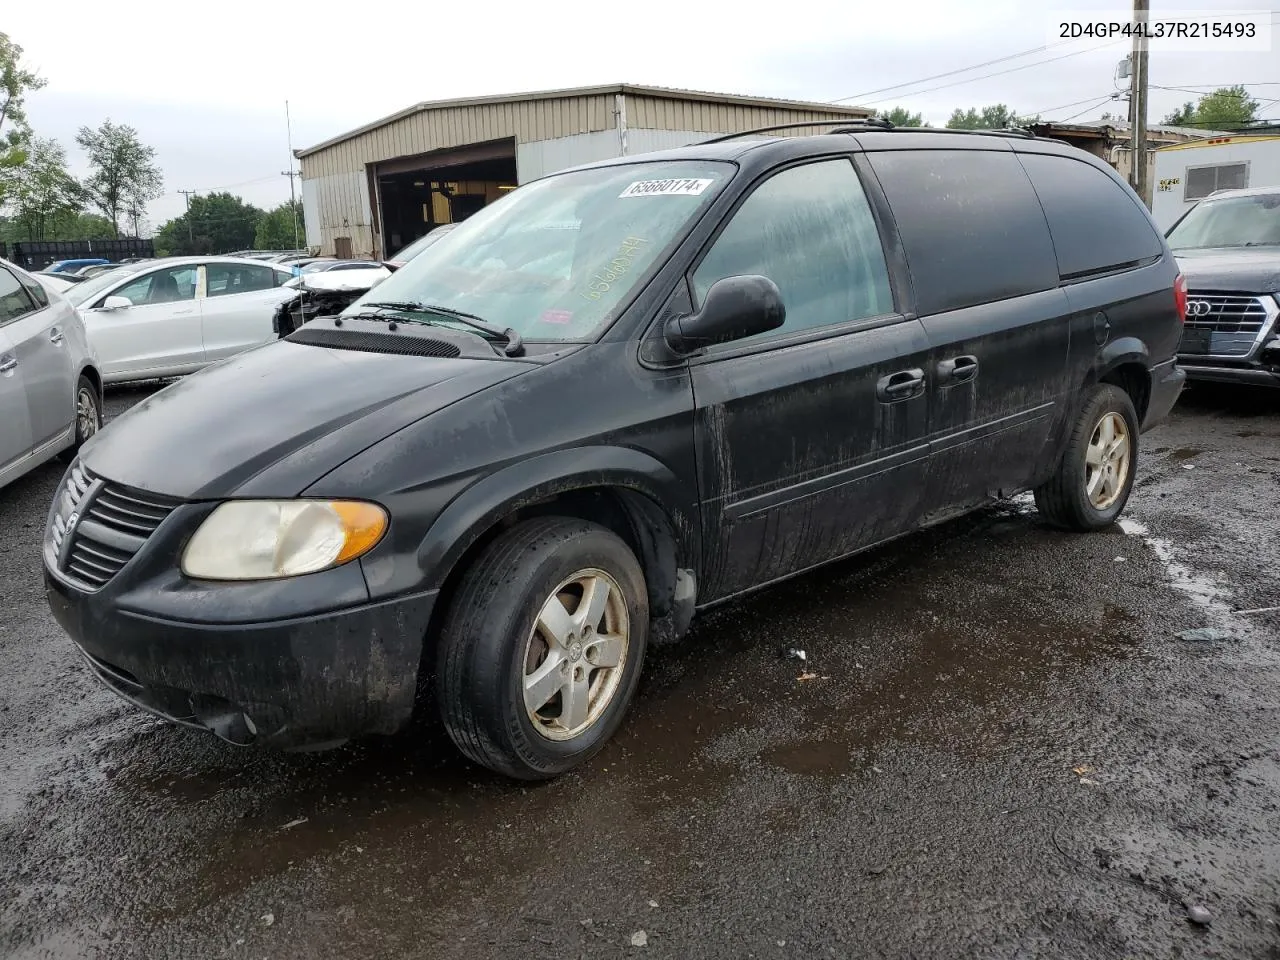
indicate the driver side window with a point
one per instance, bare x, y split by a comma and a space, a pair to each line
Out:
162, 286
810, 230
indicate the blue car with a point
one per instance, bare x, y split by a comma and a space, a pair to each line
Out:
71, 266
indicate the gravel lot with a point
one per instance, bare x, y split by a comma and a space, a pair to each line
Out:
1005, 752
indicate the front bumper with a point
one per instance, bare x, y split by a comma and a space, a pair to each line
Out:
299, 662
302, 682
1257, 374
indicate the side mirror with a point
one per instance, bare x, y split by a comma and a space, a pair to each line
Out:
734, 308
116, 303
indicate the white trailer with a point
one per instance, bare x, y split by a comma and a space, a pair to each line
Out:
1188, 172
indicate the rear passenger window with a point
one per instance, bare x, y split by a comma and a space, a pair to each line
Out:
971, 226
14, 302
809, 230
1096, 224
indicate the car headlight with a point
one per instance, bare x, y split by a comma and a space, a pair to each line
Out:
269, 539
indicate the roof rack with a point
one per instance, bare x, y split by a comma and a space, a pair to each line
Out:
875, 123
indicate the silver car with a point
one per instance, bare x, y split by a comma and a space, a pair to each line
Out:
50, 388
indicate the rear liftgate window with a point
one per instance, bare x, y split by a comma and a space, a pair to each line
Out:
971, 226
1097, 225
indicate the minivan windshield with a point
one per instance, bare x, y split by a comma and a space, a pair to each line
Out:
411, 250
1250, 221
555, 260
83, 293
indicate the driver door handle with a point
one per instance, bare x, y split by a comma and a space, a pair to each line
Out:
902, 385
55, 335
7, 364
958, 369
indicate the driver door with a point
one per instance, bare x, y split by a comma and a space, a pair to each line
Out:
158, 334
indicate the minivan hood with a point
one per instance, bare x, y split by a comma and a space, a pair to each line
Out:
273, 420
1231, 269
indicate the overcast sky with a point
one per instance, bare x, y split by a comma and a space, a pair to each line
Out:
206, 85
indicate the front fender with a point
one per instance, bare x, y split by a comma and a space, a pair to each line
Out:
487, 501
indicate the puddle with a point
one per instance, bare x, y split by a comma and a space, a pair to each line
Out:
1205, 592
1183, 454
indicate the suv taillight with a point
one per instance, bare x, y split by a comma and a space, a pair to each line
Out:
1180, 297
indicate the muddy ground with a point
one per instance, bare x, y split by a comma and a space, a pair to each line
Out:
1005, 753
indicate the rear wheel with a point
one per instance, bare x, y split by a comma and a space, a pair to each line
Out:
1096, 473
542, 647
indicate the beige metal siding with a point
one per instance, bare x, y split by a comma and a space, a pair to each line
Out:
654, 113
532, 120
457, 126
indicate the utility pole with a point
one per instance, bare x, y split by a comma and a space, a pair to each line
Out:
293, 201
187, 195
1138, 100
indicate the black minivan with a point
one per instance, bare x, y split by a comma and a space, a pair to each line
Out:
618, 395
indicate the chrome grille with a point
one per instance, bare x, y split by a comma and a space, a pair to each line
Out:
108, 524
77, 485
1227, 326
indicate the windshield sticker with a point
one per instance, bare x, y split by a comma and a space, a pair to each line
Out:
674, 187
558, 317
603, 281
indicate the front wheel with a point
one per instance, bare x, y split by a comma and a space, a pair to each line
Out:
542, 647
88, 415
1095, 476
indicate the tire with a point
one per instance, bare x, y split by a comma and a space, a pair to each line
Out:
88, 416
492, 642
1066, 500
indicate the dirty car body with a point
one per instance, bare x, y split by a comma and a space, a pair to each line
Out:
931, 359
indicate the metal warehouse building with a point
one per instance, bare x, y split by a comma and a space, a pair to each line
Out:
369, 192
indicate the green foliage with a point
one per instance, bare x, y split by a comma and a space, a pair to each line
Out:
276, 229
902, 117
74, 225
1227, 108
217, 223
41, 191
124, 176
995, 117
15, 83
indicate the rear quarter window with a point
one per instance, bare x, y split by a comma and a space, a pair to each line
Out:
1097, 226
971, 226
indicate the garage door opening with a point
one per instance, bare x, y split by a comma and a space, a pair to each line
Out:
414, 201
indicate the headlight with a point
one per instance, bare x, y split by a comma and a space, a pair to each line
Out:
267, 539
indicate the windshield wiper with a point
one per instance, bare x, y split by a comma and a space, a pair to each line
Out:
514, 347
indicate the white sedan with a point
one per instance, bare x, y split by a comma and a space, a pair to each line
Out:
167, 318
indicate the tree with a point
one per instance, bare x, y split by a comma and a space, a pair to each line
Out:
75, 225
217, 223
995, 117
15, 83
276, 228
124, 174
1227, 108
902, 117
42, 191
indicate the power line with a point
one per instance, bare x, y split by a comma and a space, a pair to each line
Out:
1073, 103
997, 73
952, 73
1088, 109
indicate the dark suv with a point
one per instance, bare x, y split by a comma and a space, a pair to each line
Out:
1228, 246
618, 395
